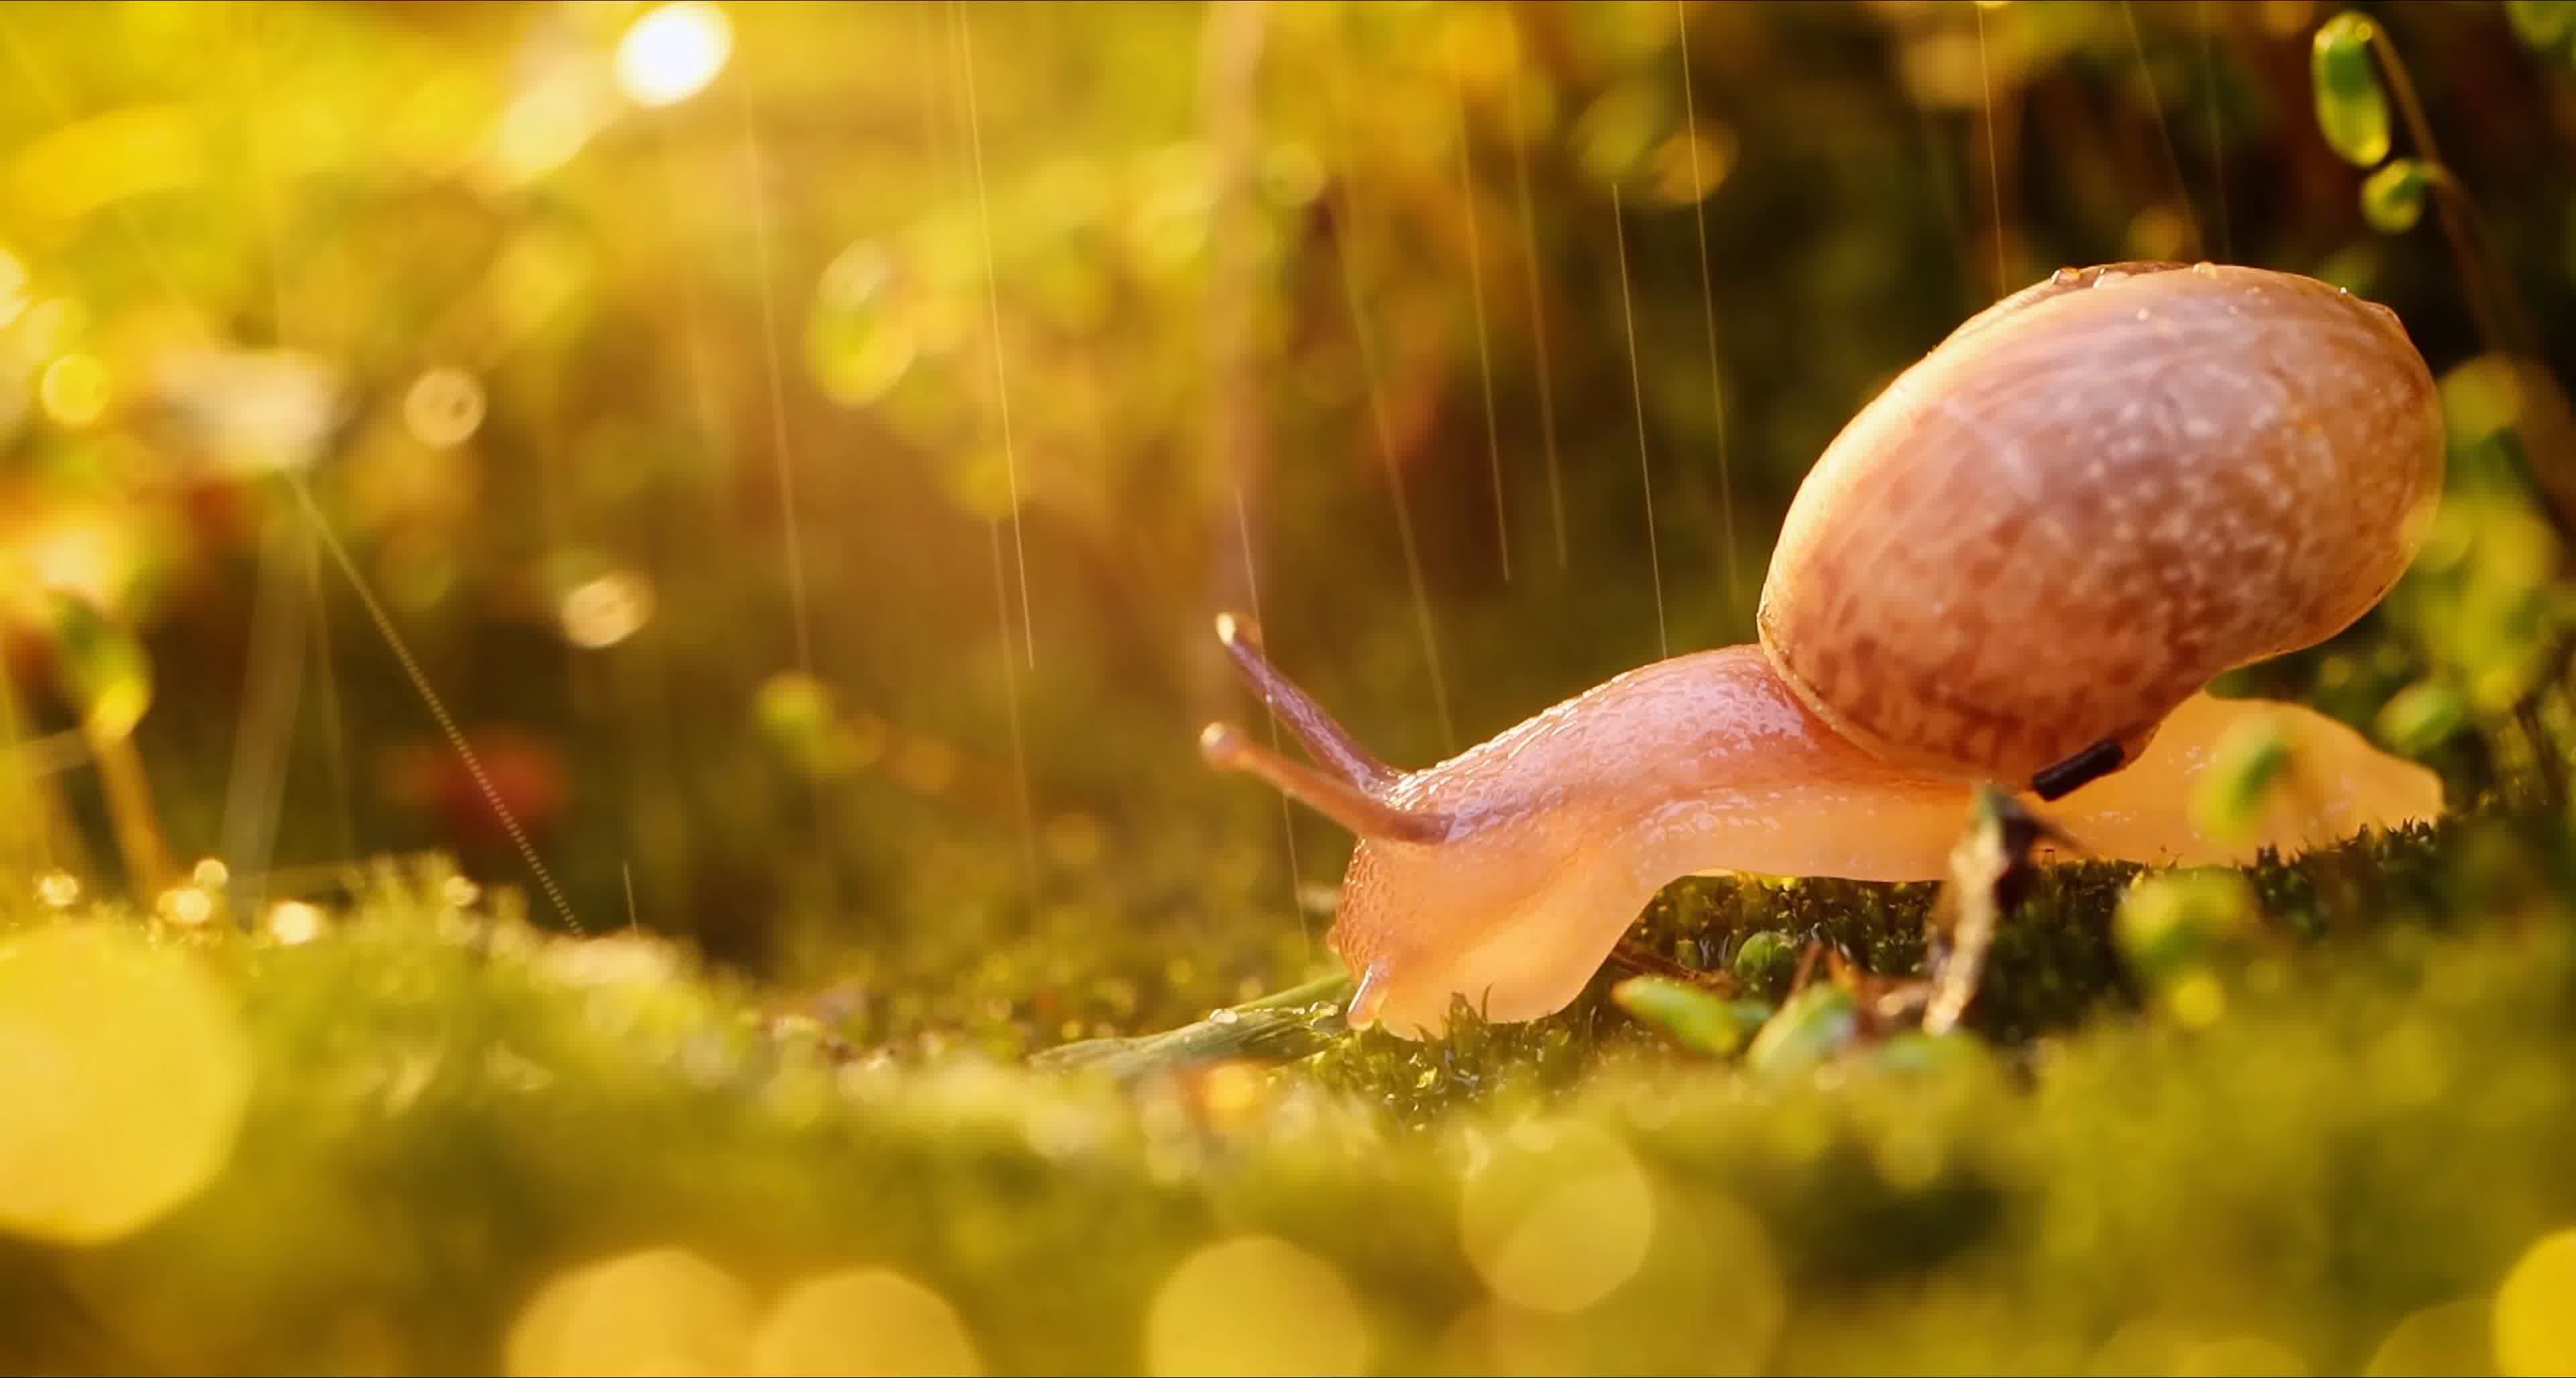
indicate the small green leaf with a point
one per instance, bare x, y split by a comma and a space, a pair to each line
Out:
1703, 1022
1766, 962
2352, 110
1809, 1031
1616, 134
2422, 717
2541, 24
795, 712
1917, 1053
858, 339
2249, 761
2173, 923
2392, 199
105, 669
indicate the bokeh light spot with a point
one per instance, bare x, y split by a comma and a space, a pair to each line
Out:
74, 389
1557, 1220
862, 1320
672, 52
2480, 398
1690, 164
59, 889
601, 612
924, 765
294, 922
187, 906
126, 1078
89, 558
1254, 1305
2535, 1326
2451, 1338
660, 1310
444, 406
2158, 232
858, 341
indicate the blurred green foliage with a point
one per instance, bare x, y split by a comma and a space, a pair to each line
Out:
671, 434
775, 465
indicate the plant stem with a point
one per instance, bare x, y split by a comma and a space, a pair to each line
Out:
129, 808
2450, 200
1279, 1027
33, 836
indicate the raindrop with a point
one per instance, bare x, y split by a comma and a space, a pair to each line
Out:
444, 406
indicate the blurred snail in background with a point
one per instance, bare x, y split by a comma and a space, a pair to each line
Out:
2023, 562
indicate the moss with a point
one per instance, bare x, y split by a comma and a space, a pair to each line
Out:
451, 1108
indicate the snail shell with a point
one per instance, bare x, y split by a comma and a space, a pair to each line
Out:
2091, 500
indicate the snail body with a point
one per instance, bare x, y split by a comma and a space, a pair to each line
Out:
2022, 562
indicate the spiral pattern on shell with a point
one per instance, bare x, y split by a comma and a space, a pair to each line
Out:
2092, 499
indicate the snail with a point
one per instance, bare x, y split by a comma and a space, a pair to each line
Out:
2025, 561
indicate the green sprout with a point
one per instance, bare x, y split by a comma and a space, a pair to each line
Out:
2250, 762
1700, 1021
2352, 108
2421, 717
2392, 199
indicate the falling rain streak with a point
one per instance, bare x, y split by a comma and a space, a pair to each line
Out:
783, 459
1994, 172
1637, 394
1287, 812
965, 35
1339, 113
1708, 301
1537, 304
273, 675
962, 47
2164, 131
437, 707
1484, 341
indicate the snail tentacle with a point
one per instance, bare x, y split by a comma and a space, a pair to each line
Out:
1225, 747
1331, 743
